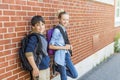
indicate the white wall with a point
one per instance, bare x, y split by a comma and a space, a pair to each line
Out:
106, 1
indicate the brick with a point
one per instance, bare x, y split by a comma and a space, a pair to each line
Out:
0, 12
19, 29
2, 59
4, 64
36, 8
8, 1
40, 13
40, 4
2, 70
15, 7
44, 9
10, 30
13, 77
26, 8
5, 75
1, 24
16, 40
2, 18
21, 13
3, 42
11, 67
9, 24
31, 13
22, 78
3, 30
1, 36
10, 46
48, 5
1, 48
15, 50
11, 62
12, 56
21, 2
21, 24
5, 53
17, 70
8, 12
22, 74
21, 34
16, 18
27, 18
10, 35
31, 3
3, 6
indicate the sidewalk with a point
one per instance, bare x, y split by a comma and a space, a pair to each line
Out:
107, 70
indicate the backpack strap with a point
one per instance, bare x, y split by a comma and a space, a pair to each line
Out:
31, 77
64, 34
38, 49
65, 37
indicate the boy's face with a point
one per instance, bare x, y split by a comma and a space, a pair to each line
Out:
39, 27
64, 20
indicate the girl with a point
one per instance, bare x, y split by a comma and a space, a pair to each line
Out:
62, 54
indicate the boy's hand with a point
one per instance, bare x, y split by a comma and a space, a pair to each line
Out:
35, 72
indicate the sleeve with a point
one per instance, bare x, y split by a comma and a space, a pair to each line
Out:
31, 44
55, 37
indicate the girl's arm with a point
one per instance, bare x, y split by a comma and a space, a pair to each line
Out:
66, 47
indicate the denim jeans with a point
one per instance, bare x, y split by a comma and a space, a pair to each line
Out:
68, 70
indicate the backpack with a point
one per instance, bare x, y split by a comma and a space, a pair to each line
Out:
42, 63
49, 36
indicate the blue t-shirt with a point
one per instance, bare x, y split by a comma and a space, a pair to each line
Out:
33, 42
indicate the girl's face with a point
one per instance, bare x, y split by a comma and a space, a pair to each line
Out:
39, 27
64, 20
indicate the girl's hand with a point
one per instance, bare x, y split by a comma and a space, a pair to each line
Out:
68, 47
71, 47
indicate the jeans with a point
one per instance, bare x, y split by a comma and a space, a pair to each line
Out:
68, 70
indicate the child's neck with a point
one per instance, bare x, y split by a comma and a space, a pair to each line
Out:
36, 32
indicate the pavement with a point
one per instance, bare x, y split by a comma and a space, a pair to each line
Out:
107, 70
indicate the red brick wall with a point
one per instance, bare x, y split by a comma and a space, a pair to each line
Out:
91, 28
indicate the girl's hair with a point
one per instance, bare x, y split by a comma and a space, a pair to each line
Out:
60, 13
36, 19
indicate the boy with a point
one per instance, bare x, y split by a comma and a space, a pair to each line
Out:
38, 26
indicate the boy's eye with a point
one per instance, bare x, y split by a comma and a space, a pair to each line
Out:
42, 24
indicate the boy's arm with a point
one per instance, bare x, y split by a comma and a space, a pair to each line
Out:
31, 60
29, 54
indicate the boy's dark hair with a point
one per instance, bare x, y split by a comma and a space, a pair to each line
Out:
61, 13
36, 19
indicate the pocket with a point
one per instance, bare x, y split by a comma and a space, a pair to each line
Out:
44, 63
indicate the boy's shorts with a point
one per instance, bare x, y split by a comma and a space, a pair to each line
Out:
44, 75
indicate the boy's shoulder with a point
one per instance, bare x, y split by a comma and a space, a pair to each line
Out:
32, 38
